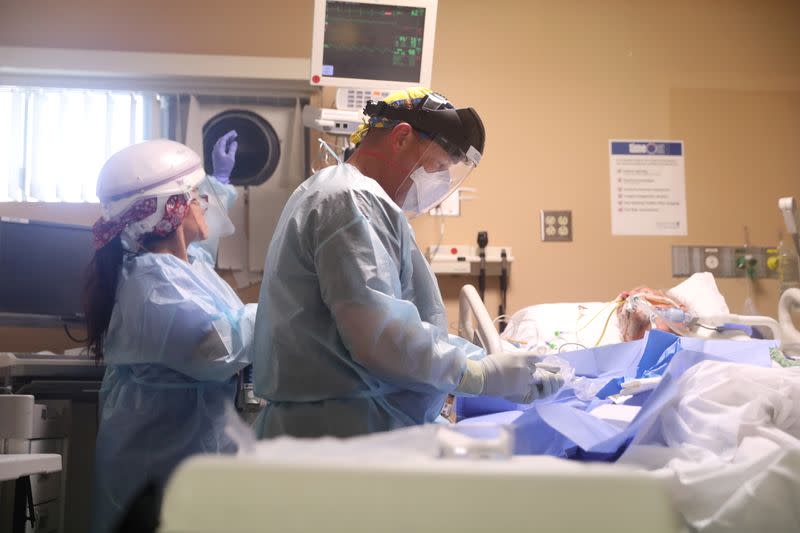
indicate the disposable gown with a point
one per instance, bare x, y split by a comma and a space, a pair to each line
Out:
351, 334
178, 334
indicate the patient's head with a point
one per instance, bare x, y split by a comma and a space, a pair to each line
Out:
633, 324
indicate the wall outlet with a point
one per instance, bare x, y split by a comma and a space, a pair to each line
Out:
556, 226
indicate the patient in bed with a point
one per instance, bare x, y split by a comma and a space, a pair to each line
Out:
558, 327
634, 322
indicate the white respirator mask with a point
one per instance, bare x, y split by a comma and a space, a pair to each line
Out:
427, 190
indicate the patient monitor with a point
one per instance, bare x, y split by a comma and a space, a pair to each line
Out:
384, 44
367, 48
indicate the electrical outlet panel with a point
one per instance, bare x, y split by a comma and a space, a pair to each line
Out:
556, 226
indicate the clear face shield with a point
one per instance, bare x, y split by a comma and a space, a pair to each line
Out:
440, 170
211, 196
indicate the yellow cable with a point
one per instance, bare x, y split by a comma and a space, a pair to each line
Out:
608, 320
616, 303
596, 315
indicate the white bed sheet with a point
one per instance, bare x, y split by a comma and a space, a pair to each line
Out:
728, 448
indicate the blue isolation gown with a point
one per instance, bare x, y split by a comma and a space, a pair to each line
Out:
351, 333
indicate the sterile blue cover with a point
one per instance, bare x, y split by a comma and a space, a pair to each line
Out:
563, 426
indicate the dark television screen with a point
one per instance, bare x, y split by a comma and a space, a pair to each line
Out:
42, 267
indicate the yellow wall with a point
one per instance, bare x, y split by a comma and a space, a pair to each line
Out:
553, 81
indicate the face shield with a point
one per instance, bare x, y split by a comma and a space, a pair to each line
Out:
441, 169
148, 187
213, 194
453, 142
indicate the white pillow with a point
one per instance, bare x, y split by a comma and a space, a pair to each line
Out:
700, 293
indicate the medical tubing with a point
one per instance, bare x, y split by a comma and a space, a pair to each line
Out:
676, 319
579, 345
597, 314
608, 320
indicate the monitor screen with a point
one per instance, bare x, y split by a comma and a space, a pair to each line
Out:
378, 44
42, 267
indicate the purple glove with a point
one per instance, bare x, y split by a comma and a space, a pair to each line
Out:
223, 156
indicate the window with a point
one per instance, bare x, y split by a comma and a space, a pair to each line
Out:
53, 142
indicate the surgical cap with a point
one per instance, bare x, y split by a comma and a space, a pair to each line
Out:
409, 98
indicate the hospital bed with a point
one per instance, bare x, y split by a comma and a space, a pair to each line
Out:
415, 479
551, 328
406, 480
395, 482
761, 476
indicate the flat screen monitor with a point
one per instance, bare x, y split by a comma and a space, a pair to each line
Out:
42, 268
375, 44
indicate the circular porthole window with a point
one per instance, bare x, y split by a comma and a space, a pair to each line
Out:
259, 148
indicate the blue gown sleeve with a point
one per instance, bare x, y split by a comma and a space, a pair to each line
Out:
173, 321
360, 283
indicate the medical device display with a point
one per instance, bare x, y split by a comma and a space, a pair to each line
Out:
42, 267
373, 44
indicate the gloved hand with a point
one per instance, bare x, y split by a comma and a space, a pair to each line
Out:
517, 377
223, 156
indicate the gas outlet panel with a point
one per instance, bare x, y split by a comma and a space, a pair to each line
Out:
725, 261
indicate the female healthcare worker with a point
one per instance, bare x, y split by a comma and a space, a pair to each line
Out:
351, 333
170, 330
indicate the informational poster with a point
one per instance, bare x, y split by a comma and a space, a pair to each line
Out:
648, 188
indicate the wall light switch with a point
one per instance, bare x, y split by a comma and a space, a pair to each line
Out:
556, 226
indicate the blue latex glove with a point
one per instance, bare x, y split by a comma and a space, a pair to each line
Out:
223, 156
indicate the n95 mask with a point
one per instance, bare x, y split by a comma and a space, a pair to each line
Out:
427, 190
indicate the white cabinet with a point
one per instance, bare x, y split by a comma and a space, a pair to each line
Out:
32, 427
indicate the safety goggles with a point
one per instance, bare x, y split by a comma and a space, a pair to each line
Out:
200, 198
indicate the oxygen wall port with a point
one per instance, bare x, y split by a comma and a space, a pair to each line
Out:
725, 261
746, 262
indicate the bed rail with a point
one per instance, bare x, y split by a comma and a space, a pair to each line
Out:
752, 320
789, 300
469, 306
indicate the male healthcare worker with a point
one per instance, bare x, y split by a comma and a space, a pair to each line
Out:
172, 332
351, 334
